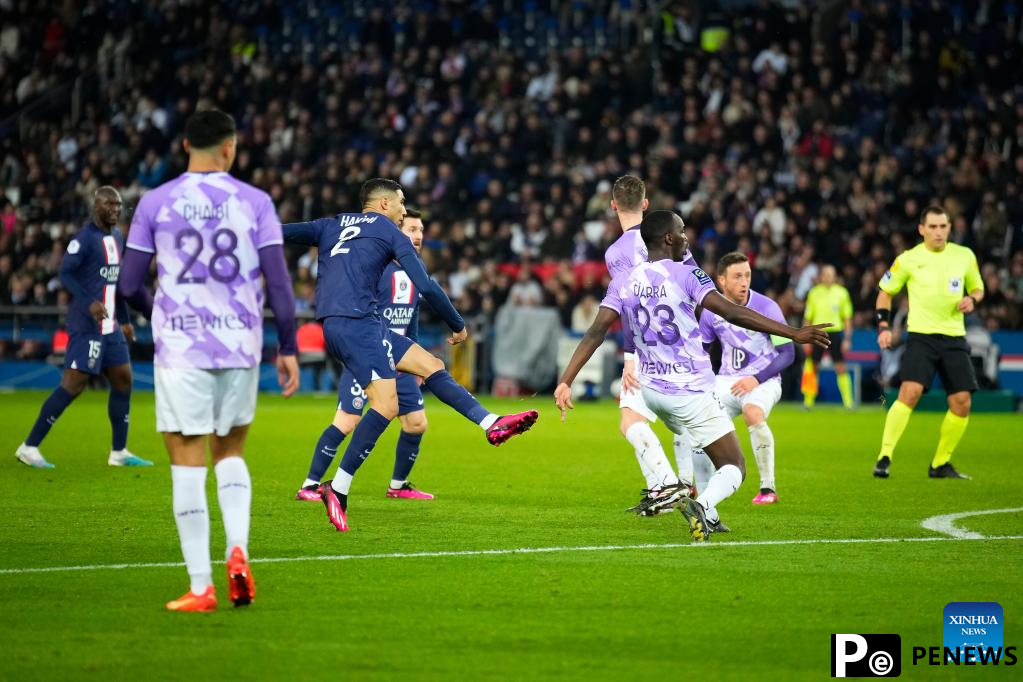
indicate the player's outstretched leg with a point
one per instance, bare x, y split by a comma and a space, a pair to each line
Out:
118, 408
498, 429
72, 384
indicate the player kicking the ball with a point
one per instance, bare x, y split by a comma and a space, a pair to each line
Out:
216, 239
662, 300
98, 332
354, 251
749, 381
399, 304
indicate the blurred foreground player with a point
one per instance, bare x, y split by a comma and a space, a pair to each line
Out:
215, 239
944, 283
663, 300
399, 305
99, 331
354, 250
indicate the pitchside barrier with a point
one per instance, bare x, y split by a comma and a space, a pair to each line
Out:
523, 351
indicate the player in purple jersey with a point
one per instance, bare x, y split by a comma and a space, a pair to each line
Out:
398, 298
354, 251
628, 201
98, 332
663, 300
216, 240
749, 380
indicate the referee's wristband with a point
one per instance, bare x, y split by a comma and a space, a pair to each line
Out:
883, 318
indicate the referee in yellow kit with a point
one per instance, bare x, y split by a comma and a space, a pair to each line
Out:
944, 283
825, 302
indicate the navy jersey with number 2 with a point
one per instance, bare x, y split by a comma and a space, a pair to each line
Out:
354, 250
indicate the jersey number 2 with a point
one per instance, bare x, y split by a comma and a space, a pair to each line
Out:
346, 234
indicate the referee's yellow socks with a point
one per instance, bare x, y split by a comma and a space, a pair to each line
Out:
952, 429
894, 424
845, 389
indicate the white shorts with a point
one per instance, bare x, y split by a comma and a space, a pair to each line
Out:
765, 396
701, 414
634, 401
197, 402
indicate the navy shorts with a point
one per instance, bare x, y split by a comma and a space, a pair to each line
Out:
352, 399
93, 353
365, 347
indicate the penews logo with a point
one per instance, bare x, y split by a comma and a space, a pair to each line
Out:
866, 655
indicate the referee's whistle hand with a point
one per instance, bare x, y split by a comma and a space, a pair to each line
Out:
814, 334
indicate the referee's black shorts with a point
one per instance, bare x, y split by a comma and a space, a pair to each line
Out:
834, 350
949, 356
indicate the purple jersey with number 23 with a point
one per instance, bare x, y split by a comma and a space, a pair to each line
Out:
658, 301
206, 230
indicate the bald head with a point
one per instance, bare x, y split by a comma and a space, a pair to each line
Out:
828, 274
106, 207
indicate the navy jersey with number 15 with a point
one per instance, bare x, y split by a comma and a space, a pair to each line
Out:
354, 251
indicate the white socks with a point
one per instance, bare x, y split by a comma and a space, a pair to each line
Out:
684, 458
762, 441
342, 482
309, 482
489, 421
234, 492
723, 483
652, 460
193, 519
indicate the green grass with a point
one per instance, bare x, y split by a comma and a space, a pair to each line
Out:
707, 612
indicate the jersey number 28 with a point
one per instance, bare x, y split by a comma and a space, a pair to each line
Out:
346, 234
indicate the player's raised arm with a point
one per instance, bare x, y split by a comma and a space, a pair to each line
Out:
306, 233
751, 319
406, 255
588, 345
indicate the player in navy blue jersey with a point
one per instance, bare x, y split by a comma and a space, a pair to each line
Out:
98, 332
398, 299
354, 250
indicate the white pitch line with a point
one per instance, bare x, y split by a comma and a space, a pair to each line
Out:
510, 551
946, 523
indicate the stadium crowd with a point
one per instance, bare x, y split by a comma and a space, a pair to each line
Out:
800, 136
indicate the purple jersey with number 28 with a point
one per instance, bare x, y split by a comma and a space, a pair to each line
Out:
659, 300
206, 230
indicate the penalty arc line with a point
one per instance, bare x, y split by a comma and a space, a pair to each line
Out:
946, 523
512, 551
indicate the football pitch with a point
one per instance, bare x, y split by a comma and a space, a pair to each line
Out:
525, 566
